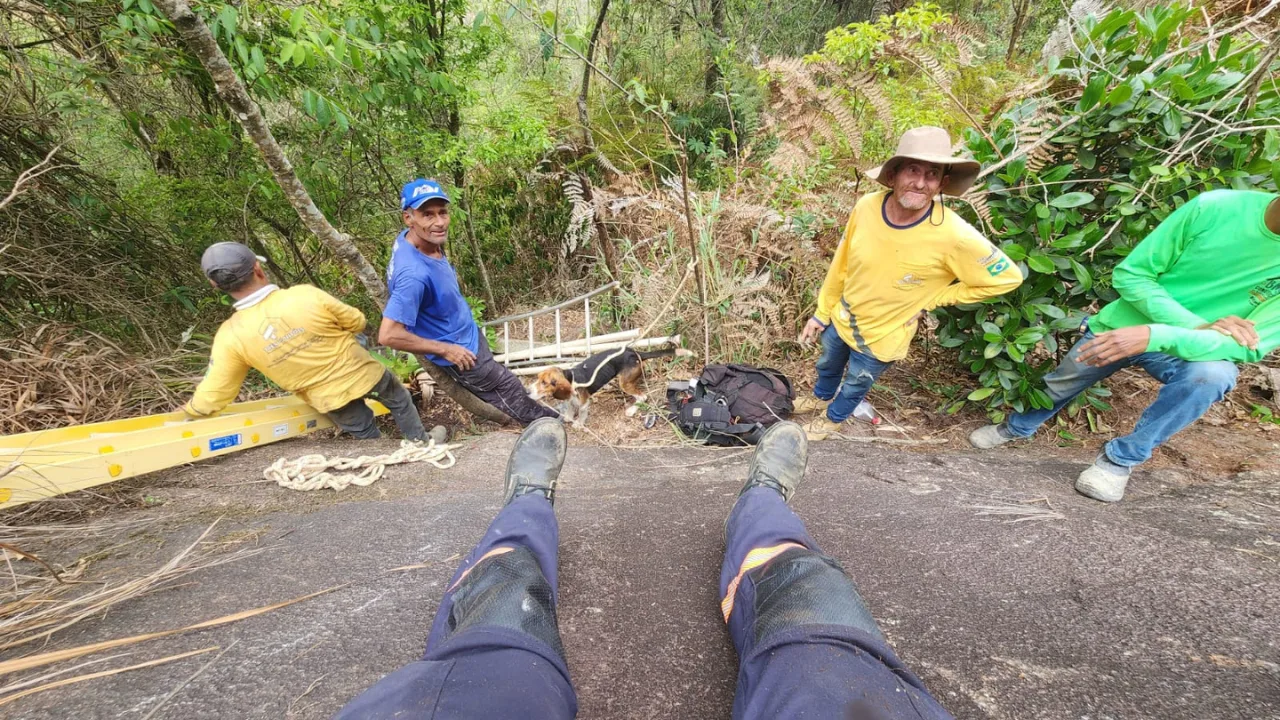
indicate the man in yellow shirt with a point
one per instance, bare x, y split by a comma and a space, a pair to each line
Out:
902, 255
302, 339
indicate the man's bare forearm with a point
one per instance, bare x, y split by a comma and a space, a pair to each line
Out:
401, 339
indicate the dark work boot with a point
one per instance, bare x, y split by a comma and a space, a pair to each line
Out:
779, 460
536, 460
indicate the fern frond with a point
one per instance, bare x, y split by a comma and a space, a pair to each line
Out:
922, 60
865, 84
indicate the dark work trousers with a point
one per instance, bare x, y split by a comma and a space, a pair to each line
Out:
494, 650
356, 418
807, 645
493, 383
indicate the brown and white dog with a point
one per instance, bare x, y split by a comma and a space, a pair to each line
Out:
574, 387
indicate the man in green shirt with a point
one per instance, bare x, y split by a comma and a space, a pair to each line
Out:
1199, 294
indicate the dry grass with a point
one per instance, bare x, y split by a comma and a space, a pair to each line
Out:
38, 602
1017, 511
53, 375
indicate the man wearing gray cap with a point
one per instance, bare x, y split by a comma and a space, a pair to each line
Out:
302, 339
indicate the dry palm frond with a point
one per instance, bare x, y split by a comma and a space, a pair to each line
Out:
53, 375
28, 535
965, 36
801, 109
42, 607
1017, 94
103, 673
1031, 132
914, 54
48, 658
1018, 511
977, 199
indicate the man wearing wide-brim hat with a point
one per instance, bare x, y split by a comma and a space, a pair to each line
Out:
903, 254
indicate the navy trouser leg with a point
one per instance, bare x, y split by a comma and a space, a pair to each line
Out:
807, 645
493, 383
494, 650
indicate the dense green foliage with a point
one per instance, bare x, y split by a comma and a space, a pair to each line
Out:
1147, 123
147, 166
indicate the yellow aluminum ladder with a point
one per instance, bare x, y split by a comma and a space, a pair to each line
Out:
52, 462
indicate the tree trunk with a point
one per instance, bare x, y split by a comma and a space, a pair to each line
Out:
879, 8
196, 36
712, 78
607, 250
583, 116
462, 396
464, 200
1021, 9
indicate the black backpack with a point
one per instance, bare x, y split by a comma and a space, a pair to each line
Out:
730, 404
754, 395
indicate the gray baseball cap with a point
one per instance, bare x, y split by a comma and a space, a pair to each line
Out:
228, 263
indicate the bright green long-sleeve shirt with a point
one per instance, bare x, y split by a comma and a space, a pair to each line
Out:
1211, 258
1213, 345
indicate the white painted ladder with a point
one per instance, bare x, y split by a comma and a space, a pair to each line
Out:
565, 353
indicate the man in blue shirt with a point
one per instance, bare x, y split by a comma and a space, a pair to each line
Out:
427, 315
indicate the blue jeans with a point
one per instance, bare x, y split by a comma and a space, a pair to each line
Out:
1189, 389
858, 371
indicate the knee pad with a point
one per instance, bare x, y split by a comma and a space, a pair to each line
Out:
507, 591
803, 587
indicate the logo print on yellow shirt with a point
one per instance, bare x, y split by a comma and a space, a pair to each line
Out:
270, 331
909, 281
995, 263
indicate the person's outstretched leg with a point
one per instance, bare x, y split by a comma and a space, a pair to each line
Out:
807, 644
1189, 389
494, 650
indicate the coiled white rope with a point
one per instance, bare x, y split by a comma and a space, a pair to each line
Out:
311, 472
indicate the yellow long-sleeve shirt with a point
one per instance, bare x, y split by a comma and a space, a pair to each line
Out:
883, 275
301, 339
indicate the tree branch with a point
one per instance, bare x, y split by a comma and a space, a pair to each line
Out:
30, 174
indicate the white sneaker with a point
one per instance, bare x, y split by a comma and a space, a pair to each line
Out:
1103, 480
988, 436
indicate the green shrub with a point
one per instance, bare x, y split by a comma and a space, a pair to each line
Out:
1147, 116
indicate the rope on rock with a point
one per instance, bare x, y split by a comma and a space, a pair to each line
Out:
311, 472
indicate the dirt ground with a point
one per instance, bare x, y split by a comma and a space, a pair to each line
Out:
1226, 440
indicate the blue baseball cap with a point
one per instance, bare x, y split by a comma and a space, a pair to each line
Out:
419, 191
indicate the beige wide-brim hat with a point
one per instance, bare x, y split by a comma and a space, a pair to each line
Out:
933, 145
